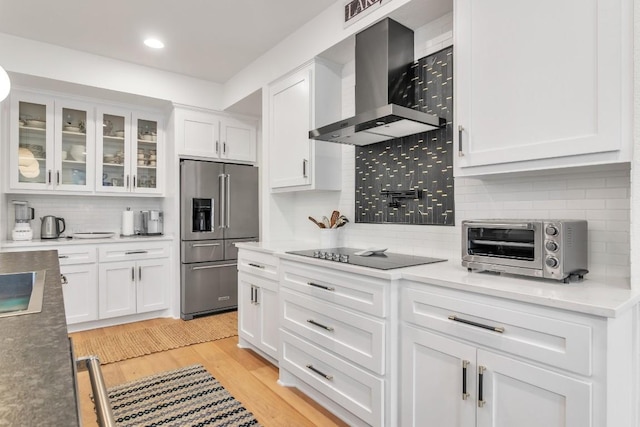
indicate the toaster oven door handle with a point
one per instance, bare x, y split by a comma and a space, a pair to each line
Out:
519, 226
476, 324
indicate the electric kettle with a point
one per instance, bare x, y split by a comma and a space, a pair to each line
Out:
51, 227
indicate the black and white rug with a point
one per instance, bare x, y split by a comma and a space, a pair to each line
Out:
188, 396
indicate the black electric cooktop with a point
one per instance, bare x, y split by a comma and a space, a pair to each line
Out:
381, 261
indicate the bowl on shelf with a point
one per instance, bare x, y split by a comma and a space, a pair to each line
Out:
34, 123
69, 128
78, 153
119, 133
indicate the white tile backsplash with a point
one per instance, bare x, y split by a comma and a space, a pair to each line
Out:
81, 213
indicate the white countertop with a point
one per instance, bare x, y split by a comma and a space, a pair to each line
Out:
10, 244
607, 297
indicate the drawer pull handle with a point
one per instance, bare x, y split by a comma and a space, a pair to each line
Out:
326, 288
256, 265
135, 252
322, 374
465, 365
204, 245
481, 401
320, 325
476, 324
63, 256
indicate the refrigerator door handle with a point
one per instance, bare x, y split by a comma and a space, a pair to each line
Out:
223, 200
207, 267
227, 221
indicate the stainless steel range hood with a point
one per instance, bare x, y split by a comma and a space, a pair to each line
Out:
384, 56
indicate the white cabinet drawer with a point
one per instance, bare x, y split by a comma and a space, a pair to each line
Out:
357, 292
350, 387
556, 342
356, 337
80, 254
133, 251
258, 263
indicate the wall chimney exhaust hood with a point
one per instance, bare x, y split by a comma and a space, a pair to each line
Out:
384, 56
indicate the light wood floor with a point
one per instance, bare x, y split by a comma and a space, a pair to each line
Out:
247, 376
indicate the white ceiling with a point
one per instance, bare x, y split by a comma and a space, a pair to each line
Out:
208, 39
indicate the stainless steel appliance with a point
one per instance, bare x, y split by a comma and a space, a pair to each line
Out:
380, 261
553, 249
152, 223
219, 207
23, 216
384, 56
52, 227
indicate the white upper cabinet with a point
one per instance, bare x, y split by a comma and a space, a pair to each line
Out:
303, 100
202, 133
542, 85
51, 144
63, 145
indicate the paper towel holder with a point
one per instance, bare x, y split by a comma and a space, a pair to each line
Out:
127, 222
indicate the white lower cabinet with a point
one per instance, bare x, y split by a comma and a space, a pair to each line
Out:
137, 285
80, 292
452, 384
258, 304
258, 314
334, 329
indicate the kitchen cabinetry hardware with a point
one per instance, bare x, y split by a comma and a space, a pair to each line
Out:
460, 131
396, 195
57, 177
63, 279
256, 265
204, 245
135, 252
322, 374
476, 324
224, 148
465, 365
49, 176
320, 325
63, 256
481, 401
223, 199
134, 181
304, 168
217, 147
326, 288
257, 301
253, 298
139, 273
133, 274
127, 182
227, 205
204, 267
99, 389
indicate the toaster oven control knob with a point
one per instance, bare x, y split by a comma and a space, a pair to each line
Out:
552, 262
552, 230
551, 246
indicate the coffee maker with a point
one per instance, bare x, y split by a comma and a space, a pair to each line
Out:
23, 216
152, 222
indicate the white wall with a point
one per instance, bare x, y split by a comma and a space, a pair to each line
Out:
45, 60
81, 213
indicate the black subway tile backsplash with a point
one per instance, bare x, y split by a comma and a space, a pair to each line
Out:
410, 180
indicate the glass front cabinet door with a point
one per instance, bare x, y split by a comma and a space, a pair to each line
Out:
147, 154
113, 151
53, 143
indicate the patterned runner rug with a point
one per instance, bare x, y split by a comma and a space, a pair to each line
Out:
188, 396
177, 333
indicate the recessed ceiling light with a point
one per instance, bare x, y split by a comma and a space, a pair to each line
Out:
154, 43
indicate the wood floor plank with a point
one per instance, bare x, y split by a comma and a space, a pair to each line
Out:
248, 377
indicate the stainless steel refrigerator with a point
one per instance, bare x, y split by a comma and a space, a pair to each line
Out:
219, 207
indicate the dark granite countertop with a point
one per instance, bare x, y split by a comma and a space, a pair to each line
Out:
36, 376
